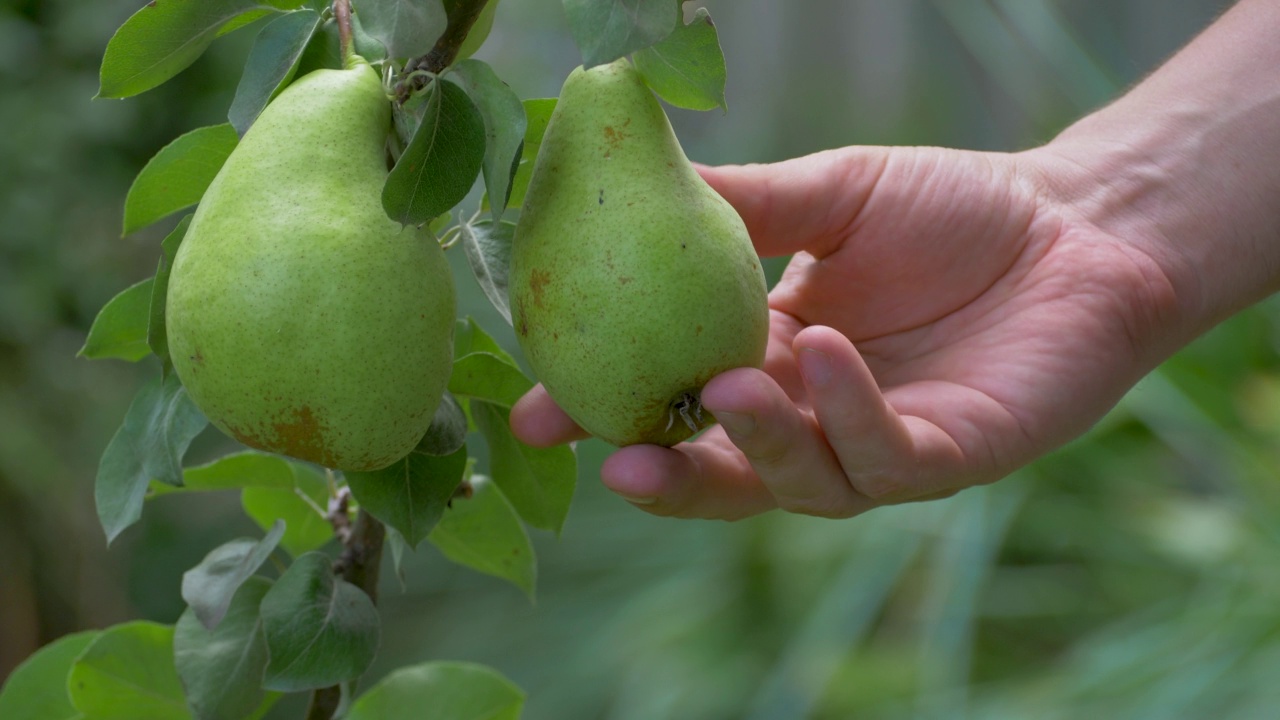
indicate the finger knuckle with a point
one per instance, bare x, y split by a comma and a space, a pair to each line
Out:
769, 452
824, 506
881, 487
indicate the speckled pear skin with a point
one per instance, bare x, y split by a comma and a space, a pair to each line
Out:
632, 282
301, 319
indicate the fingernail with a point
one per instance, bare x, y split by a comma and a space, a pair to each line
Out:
816, 367
638, 500
740, 424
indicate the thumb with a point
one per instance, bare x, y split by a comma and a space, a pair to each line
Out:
801, 204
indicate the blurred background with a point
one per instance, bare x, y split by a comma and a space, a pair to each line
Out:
1130, 575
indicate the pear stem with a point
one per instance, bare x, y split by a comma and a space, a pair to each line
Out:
342, 12
461, 19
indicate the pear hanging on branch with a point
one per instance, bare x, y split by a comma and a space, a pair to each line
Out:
300, 318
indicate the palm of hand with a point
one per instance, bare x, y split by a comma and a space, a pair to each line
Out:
991, 324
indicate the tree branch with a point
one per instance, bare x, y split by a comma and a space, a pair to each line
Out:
462, 17
359, 564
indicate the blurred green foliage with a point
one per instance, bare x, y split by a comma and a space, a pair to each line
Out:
1130, 574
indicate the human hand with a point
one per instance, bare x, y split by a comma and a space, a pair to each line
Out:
945, 319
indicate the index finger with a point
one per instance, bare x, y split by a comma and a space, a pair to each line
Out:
801, 204
537, 420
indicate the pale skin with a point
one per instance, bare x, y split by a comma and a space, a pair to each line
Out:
950, 316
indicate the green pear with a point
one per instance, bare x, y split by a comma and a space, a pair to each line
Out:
300, 318
632, 283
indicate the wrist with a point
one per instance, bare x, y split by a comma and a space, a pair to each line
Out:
1128, 183
1186, 168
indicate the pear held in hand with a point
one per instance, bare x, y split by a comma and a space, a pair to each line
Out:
632, 282
300, 318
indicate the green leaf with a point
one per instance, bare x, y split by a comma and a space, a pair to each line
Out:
128, 673
687, 69
159, 425
504, 126
479, 31
448, 430
366, 46
406, 28
488, 248
120, 330
539, 482
165, 36
321, 630
485, 376
301, 506
439, 223
537, 114
177, 176
398, 546
209, 587
271, 65
440, 691
412, 493
605, 30
324, 50
469, 337
240, 470
484, 533
442, 160
37, 688
221, 670
157, 335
